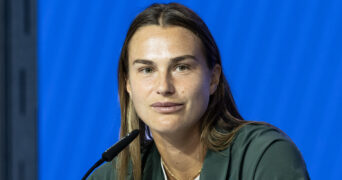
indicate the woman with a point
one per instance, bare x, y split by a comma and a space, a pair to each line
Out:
173, 90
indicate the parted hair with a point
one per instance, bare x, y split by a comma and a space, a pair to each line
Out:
221, 120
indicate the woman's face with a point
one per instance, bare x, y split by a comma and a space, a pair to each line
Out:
169, 81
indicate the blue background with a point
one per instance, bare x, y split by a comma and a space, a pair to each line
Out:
282, 58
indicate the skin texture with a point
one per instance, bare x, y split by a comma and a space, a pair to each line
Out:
167, 64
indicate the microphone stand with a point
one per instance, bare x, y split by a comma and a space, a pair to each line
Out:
110, 153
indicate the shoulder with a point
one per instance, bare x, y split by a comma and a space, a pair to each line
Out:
105, 171
258, 131
266, 152
258, 136
252, 140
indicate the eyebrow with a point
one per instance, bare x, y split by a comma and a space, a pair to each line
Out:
173, 60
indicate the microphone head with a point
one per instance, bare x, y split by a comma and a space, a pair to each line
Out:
110, 153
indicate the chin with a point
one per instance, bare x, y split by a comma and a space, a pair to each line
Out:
164, 127
168, 124
167, 129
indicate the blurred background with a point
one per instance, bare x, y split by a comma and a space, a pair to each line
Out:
283, 61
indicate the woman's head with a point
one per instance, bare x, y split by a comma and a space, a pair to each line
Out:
162, 44
168, 16
168, 79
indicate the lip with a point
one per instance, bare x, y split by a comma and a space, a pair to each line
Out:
167, 107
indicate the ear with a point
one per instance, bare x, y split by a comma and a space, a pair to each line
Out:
215, 78
128, 86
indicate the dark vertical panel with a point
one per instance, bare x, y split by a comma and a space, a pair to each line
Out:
4, 133
2, 93
18, 92
27, 16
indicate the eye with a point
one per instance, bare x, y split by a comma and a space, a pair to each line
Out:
146, 70
182, 67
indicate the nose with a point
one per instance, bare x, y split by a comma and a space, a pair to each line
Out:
165, 86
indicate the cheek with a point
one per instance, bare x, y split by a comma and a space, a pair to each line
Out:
140, 87
198, 91
140, 91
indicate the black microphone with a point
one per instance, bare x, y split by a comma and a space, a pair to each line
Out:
110, 153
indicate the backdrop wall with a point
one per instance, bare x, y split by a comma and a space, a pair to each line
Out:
283, 60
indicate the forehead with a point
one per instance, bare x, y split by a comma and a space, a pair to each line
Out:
156, 42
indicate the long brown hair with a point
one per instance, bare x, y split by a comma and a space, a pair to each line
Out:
221, 120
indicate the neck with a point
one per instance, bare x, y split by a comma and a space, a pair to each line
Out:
182, 152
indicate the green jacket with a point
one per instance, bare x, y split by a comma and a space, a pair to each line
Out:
258, 152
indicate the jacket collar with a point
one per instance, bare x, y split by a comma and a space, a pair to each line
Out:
215, 165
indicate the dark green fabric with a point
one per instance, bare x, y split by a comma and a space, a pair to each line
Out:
258, 152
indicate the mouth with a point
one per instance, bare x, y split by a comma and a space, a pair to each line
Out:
167, 107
